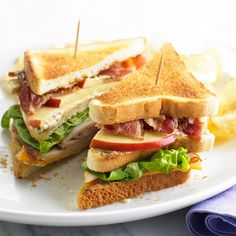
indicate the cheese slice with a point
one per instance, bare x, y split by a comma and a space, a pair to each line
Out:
24, 157
71, 104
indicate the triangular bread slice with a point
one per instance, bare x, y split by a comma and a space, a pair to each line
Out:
57, 68
99, 193
177, 93
26, 163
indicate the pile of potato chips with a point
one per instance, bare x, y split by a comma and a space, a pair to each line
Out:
224, 124
206, 67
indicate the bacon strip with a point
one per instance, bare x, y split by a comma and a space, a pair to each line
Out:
162, 124
132, 129
189, 126
30, 101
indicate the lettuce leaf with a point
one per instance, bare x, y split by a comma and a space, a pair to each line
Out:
12, 112
162, 161
130, 171
166, 160
62, 131
24, 133
43, 146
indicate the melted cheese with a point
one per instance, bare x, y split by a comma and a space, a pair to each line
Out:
27, 159
196, 165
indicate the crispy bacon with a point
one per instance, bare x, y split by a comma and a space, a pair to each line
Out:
30, 101
163, 124
131, 129
191, 126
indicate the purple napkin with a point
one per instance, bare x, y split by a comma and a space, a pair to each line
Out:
215, 216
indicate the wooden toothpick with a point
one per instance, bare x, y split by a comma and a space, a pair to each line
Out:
77, 39
159, 68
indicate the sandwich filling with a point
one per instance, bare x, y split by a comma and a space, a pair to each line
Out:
193, 127
30, 101
162, 161
64, 136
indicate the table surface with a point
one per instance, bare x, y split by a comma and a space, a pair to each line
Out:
169, 224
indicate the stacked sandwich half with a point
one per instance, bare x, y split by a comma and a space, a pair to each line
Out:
52, 120
150, 132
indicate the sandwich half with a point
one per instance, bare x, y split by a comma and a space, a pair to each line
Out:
52, 120
150, 132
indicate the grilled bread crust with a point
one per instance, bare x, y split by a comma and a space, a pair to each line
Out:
57, 68
177, 93
99, 193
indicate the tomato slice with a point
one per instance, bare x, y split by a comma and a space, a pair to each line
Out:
53, 102
34, 123
129, 63
139, 61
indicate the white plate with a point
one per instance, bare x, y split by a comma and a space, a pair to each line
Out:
53, 202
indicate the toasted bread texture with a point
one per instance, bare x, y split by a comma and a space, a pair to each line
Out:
104, 161
54, 69
26, 163
99, 193
177, 93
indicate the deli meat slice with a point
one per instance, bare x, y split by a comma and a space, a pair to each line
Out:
132, 128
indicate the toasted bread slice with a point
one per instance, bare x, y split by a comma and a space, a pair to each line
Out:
26, 163
176, 94
54, 69
99, 193
105, 161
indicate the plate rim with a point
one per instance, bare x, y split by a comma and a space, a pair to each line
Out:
118, 216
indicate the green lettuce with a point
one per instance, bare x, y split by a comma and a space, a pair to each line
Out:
43, 146
24, 133
12, 112
130, 171
62, 131
162, 161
